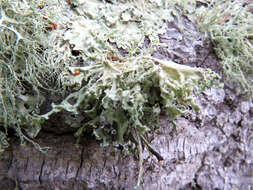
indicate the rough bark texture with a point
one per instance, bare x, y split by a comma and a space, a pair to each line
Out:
212, 149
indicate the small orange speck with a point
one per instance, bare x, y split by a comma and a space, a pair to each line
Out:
224, 19
112, 58
181, 102
53, 26
112, 24
77, 72
41, 6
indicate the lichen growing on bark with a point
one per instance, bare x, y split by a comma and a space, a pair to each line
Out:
25, 67
229, 26
118, 97
118, 87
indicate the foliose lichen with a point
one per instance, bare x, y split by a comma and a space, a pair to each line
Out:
118, 87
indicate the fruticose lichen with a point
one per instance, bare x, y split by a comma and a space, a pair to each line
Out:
117, 86
229, 26
26, 67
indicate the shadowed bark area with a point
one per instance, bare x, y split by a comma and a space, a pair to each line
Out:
212, 149
67, 165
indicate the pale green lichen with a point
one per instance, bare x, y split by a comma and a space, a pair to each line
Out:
118, 87
26, 68
119, 96
116, 93
229, 26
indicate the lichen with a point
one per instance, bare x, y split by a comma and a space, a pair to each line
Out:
26, 67
117, 86
229, 26
130, 94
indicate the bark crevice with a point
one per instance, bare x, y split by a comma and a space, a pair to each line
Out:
81, 163
41, 171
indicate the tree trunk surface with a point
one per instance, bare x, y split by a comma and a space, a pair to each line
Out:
212, 149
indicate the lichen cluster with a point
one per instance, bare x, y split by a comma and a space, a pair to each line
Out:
25, 67
96, 48
229, 26
116, 92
